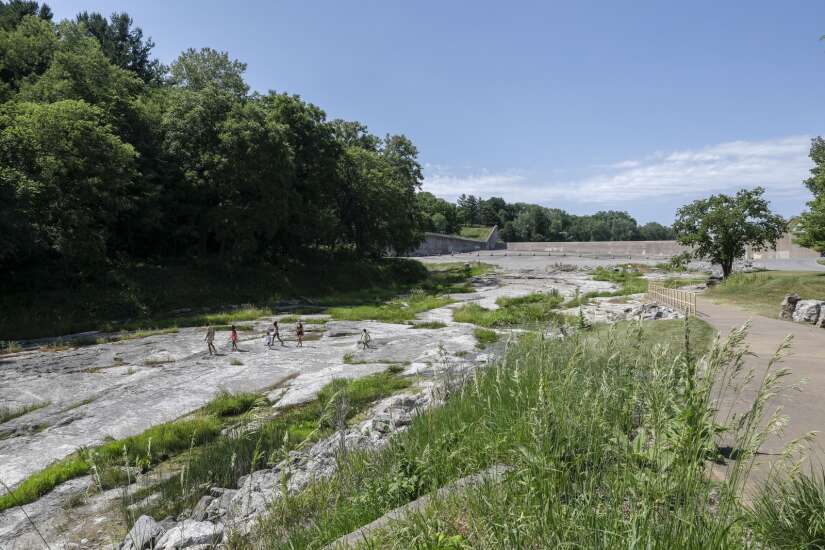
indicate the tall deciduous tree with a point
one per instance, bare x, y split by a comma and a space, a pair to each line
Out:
810, 231
720, 227
66, 174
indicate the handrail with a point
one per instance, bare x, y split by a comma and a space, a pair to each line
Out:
682, 300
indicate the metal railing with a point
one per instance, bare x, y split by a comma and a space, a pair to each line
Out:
682, 300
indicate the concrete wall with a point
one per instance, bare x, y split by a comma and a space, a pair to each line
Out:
651, 249
436, 244
785, 249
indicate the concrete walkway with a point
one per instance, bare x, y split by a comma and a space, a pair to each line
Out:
805, 409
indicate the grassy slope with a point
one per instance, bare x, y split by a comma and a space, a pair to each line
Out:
762, 292
474, 232
575, 420
149, 297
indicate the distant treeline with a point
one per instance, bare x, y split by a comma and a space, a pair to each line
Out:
521, 222
107, 155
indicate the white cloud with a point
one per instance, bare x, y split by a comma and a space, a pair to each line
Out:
779, 165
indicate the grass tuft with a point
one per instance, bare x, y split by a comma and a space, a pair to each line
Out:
485, 337
429, 325
9, 413
231, 404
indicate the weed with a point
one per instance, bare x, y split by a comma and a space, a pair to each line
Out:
9, 346
788, 512
236, 363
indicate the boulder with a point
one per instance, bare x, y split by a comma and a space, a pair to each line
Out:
142, 534
807, 311
190, 533
199, 512
788, 306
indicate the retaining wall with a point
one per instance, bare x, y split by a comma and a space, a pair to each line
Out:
436, 244
644, 249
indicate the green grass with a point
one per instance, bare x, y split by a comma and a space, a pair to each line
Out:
788, 512
224, 460
479, 232
150, 447
524, 310
429, 325
485, 337
9, 413
821, 262
630, 280
398, 310
606, 436
762, 292
231, 404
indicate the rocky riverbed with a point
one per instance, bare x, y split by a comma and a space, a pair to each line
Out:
122, 388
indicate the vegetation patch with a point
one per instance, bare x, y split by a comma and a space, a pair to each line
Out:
479, 232
524, 310
762, 292
224, 460
485, 337
9, 413
144, 450
601, 431
231, 404
398, 310
429, 325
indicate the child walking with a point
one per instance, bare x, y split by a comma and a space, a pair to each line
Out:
299, 332
233, 337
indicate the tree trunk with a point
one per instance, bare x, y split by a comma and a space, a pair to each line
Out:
727, 267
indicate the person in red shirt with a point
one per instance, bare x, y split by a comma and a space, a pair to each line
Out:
233, 337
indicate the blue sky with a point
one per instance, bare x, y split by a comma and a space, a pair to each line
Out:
630, 105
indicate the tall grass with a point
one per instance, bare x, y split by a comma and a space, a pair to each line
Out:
606, 435
790, 512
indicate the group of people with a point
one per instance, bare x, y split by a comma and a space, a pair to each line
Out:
273, 333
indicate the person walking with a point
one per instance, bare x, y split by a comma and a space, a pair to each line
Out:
210, 339
268, 339
365, 339
276, 333
233, 337
299, 332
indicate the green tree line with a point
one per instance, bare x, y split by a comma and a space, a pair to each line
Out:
521, 222
107, 155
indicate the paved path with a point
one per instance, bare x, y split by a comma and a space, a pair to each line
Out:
805, 409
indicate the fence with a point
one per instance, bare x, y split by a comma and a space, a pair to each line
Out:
677, 299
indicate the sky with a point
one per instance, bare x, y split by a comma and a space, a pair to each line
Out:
628, 105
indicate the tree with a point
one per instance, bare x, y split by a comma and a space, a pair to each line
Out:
720, 227
653, 231
66, 174
468, 209
14, 11
123, 45
25, 51
197, 69
810, 231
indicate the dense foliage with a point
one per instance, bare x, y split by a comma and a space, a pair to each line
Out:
721, 227
519, 222
106, 156
810, 230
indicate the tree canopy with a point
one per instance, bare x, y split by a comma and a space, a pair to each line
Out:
810, 230
107, 155
720, 227
519, 222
